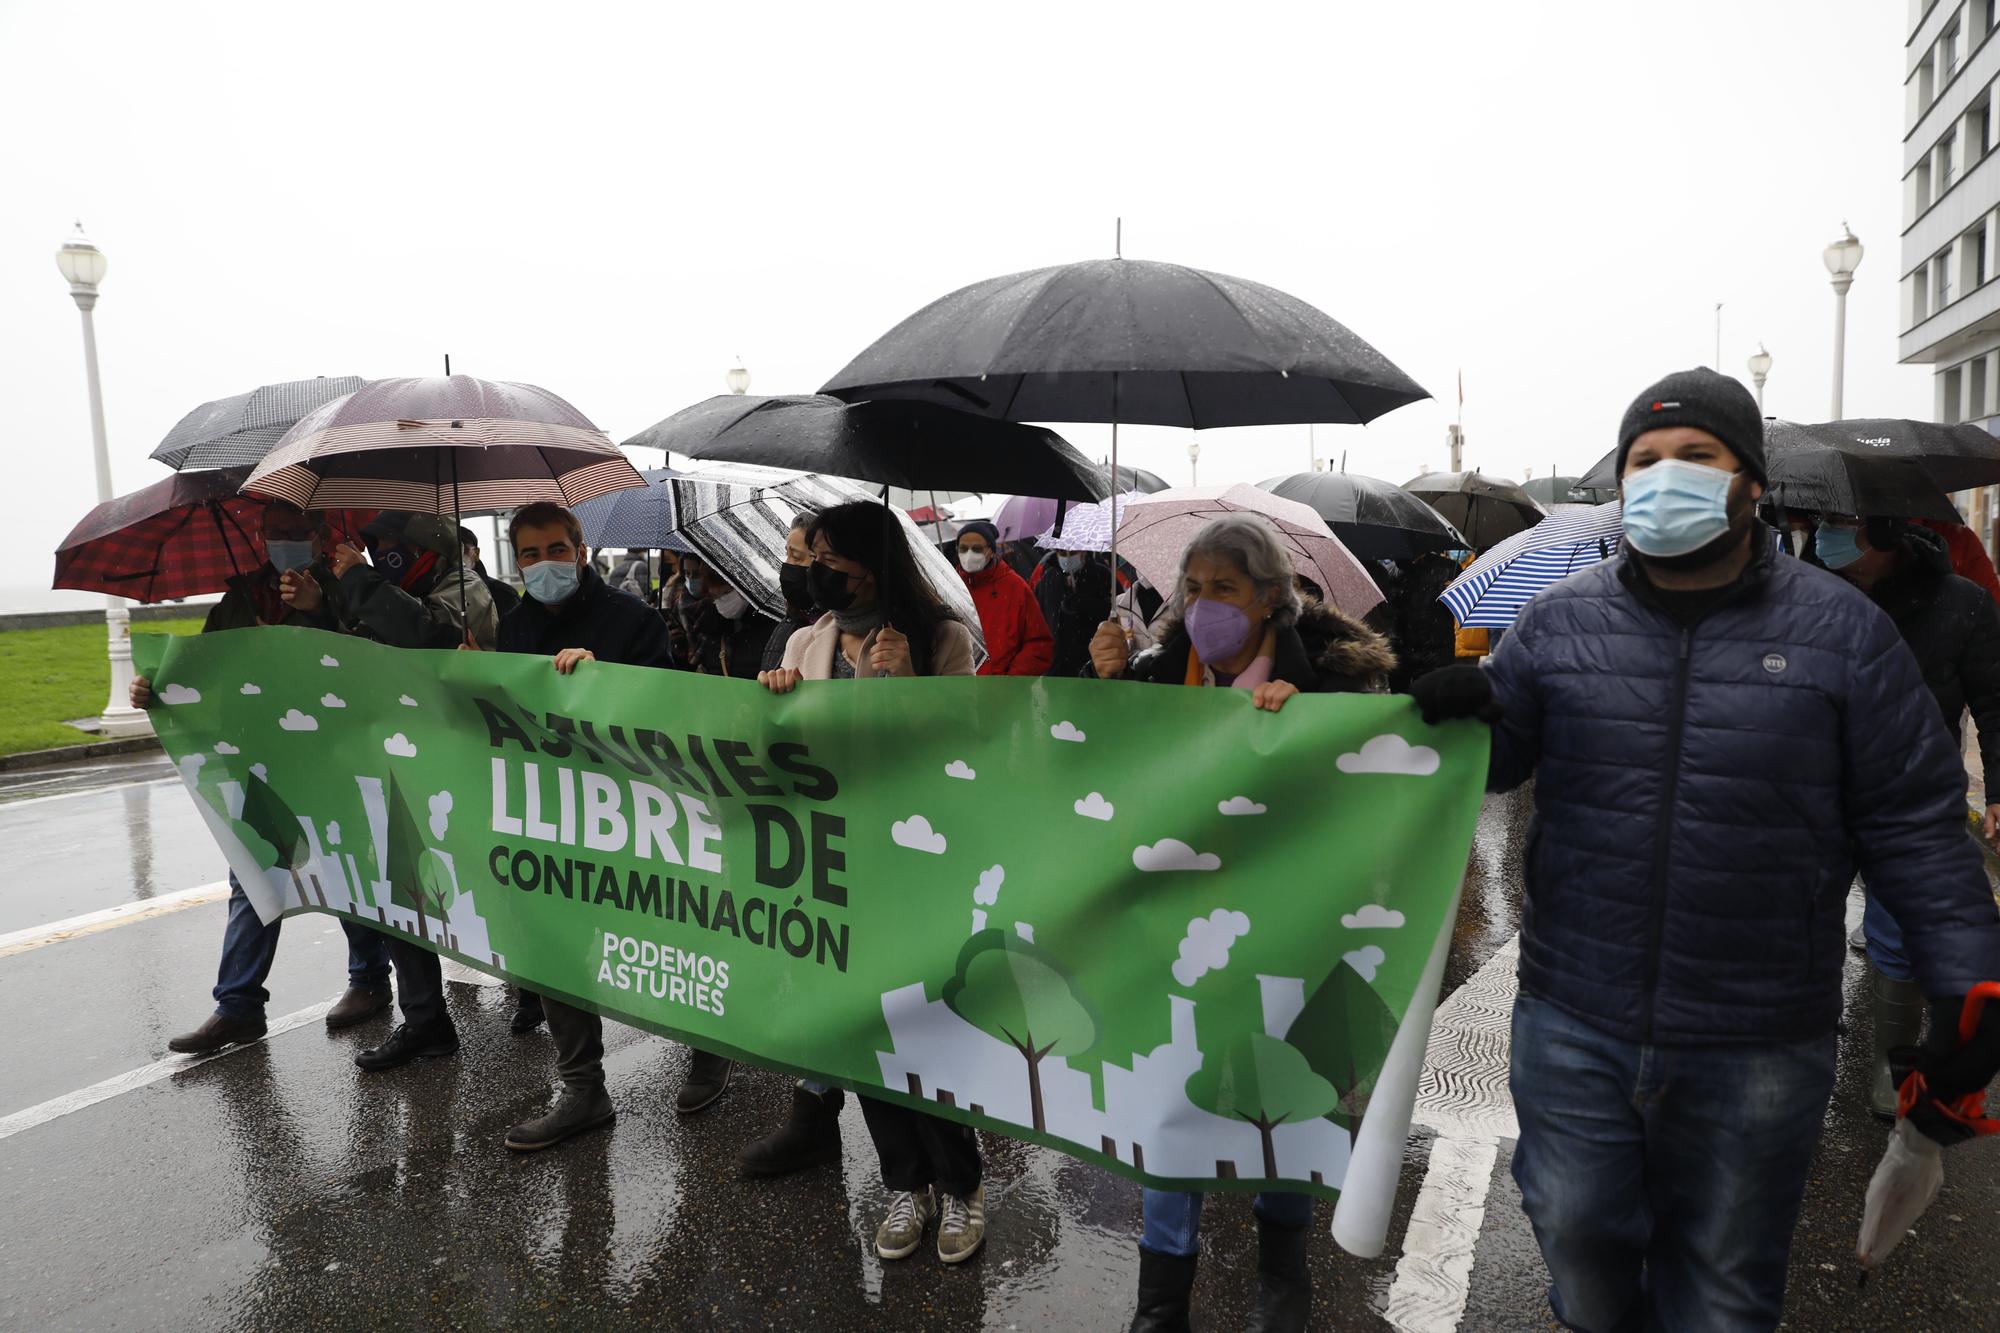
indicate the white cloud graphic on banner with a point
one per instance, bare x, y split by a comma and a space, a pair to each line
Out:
406, 701
1173, 854
440, 814
1025, 931
1067, 731
294, 720
917, 834
333, 835
401, 746
1240, 805
1390, 754
249, 688
224, 747
190, 767
1365, 961
180, 694
990, 881
1094, 806
958, 768
329, 661
332, 701
1373, 917
978, 920
261, 773
1208, 942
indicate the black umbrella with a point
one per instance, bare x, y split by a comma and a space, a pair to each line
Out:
907, 444
1373, 518
1138, 479
1488, 510
1829, 482
230, 432
1958, 458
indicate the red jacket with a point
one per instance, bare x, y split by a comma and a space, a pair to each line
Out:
1968, 556
1018, 642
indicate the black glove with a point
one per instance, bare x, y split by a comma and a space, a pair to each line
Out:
1952, 1070
1453, 692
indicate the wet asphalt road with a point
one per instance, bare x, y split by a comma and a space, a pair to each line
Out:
276, 1187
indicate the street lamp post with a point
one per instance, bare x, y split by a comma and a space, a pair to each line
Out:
738, 379
1194, 462
1760, 370
83, 265
1842, 258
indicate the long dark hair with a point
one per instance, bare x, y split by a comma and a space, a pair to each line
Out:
865, 532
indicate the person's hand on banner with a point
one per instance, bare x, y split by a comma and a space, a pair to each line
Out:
891, 653
782, 681
1455, 692
569, 659
142, 692
1271, 695
300, 590
1109, 651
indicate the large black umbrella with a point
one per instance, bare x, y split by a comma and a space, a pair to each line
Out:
1373, 518
914, 445
1488, 510
1830, 482
240, 429
1958, 458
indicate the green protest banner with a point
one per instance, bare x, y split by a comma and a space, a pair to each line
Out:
1150, 927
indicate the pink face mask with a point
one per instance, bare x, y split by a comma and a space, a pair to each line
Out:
1217, 629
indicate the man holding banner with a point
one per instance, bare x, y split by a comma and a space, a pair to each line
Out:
1719, 738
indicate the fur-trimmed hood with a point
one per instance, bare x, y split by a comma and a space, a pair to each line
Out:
1341, 647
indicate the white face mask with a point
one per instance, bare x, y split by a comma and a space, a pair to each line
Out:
973, 561
731, 604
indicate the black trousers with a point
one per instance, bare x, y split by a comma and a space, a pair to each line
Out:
579, 1038
919, 1150
419, 983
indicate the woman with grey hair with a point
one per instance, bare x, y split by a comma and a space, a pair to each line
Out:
1237, 621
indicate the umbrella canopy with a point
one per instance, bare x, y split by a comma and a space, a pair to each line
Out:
1086, 527
1546, 491
1488, 510
183, 536
1374, 519
912, 445
1131, 341
640, 517
1958, 458
440, 446
1830, 482
242, 428
1156, 529
1494, 588
736, 518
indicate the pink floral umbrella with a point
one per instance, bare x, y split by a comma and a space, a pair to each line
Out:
1156, 529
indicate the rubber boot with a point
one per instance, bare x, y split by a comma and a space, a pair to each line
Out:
810, 1138
1166, 1283
1899, 1021
1284, 1287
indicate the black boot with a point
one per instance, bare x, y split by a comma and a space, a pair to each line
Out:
1898, 1008
528, 1013
1284, 1287
708, 1078
810, 1138
575, 1112
1166, 1282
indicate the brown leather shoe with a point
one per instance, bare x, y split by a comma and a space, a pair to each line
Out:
357, 1006
219, 1031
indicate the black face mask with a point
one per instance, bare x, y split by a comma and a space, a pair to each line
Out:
829, 587
795, 581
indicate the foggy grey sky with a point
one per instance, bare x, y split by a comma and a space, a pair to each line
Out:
617, 201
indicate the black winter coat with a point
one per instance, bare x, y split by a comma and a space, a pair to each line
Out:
1073, 608
615, 626
1327, 652
725, 647
1954, 629
1423, 633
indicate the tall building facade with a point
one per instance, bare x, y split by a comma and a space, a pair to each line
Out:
1951, 215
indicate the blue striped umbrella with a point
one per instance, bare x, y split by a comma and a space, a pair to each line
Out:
1494, 588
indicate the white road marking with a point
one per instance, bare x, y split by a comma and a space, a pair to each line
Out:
7, 806
34, 937
1461, 1095
133, 1079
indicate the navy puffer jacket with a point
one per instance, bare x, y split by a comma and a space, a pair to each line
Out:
1704, 796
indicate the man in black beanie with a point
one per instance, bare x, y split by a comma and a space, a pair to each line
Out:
1719, 739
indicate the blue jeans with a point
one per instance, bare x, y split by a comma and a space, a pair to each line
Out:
1663, 1181
1173, 1219
1885, 942
249, 947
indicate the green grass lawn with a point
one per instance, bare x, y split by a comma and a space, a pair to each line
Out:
48, 676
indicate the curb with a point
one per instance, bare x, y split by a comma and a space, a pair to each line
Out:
69, 754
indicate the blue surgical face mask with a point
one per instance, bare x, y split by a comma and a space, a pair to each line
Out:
289, 556
1672, 508
1837, 547
696, 585
551, 581
1070, 564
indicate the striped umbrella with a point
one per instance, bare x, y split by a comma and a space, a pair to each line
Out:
241, 429
640, 517
736, 517
439, 446
1494, 588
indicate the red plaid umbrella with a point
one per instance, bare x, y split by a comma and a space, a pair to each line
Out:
183, 536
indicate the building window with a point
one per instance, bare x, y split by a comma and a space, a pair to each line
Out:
1975, 388
1926, 83
1941, 281
1923, 184
1989, 15
1947, 148
1948, 52
1979, 129
1920, 296
1978, 257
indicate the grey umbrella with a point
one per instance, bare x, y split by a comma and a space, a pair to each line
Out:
1375, 519
638, 517
1488, 510
240, 429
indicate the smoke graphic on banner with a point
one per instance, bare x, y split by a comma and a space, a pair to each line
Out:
1150, 927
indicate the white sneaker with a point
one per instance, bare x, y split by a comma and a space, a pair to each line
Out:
903, 1229
963, 1228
